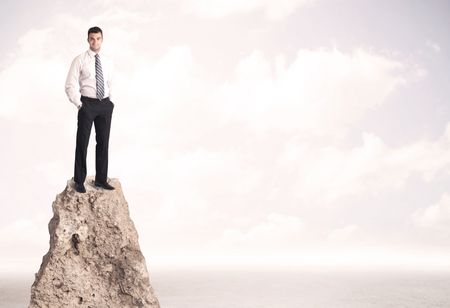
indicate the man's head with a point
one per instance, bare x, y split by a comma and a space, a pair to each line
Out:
95, 38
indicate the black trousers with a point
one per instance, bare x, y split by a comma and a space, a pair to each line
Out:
99, 112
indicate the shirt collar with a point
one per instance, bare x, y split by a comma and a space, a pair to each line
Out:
92, 53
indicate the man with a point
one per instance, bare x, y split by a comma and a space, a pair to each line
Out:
91, 75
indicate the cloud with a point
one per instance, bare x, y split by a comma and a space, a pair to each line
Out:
274, 231
33, 76
221, 8
342, 234
260, 101
280, 123
328, 173
18, 238
434, 46
436, 216
322, 92
231, 163
31, 79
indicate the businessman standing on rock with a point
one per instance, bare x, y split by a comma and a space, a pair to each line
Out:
91, 75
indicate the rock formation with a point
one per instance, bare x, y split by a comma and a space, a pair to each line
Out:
94, 258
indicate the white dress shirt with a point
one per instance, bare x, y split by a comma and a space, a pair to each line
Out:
81, 77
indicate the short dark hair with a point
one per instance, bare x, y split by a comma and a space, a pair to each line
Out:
95, 30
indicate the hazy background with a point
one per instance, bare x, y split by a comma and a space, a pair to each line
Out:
245, 133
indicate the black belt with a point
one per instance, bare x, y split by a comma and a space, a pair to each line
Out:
91, 99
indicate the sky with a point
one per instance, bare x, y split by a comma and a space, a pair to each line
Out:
283, 134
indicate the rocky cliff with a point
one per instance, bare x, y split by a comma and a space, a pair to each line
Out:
94, 258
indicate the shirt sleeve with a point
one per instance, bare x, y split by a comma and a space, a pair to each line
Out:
111, 77
72, 86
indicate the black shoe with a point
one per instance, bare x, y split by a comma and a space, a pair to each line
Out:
104, 185
80, 188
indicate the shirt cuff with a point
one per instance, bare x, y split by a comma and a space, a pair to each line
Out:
77, 102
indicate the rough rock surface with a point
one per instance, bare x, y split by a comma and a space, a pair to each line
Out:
94, 258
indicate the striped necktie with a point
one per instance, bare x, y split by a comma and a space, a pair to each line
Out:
99, 77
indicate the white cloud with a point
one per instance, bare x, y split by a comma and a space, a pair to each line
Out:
433, 45
434, 216
33, 80
203, 160
274, 231
342, 234
18, 238
322, 92
328, 173
274, 10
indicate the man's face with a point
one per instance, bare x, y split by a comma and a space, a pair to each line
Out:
95, 41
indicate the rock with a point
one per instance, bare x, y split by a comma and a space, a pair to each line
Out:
94, 258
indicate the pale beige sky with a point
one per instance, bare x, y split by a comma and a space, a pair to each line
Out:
287, 132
